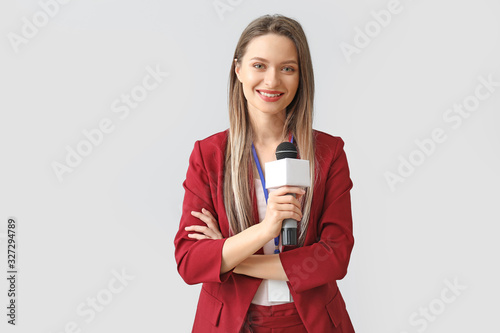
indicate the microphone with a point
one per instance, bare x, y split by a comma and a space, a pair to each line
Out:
287, 170
286, 150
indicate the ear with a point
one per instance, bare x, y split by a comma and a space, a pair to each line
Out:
237, 69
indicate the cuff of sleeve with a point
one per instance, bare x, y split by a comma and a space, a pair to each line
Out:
295, 279
224, 276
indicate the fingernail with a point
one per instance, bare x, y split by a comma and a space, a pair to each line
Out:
203, 209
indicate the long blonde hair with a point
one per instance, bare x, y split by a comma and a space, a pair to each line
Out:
299, 119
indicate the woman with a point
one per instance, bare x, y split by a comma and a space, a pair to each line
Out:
228, 237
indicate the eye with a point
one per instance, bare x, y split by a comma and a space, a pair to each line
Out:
289, 69
258, 66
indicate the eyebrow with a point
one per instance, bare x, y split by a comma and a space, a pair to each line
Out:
291, 61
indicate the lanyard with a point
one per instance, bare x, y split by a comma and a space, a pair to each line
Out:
266, 192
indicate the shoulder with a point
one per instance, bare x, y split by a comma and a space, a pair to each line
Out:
324, 137
211, 148
215, 140
331, 160
327, 144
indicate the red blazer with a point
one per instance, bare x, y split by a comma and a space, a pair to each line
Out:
312, 270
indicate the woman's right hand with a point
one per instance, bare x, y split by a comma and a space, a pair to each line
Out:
281, 206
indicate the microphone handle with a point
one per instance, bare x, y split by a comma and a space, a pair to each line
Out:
289, 230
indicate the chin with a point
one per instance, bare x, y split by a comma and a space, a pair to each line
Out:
272, 110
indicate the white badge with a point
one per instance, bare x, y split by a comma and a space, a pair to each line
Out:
278, 291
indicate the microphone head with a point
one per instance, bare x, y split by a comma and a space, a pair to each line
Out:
286, 150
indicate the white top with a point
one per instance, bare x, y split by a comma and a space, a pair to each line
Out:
260, 296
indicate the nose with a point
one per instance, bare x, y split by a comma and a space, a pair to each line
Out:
271, 78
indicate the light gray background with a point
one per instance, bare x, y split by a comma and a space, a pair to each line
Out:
120, 208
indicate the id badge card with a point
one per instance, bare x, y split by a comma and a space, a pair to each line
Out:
278, 291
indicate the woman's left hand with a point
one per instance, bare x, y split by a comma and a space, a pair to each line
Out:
211, 231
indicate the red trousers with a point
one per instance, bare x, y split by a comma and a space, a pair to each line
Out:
282, 318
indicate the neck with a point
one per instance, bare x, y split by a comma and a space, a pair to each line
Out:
268, 129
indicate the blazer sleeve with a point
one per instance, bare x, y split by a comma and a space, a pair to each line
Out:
198, 261
326, 260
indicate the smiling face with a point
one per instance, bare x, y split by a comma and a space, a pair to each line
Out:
269, 73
